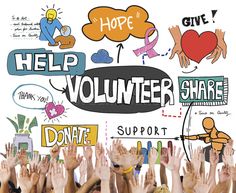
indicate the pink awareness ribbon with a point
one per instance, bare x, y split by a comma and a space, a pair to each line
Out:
148, 47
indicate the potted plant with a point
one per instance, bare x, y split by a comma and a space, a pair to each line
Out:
23, 128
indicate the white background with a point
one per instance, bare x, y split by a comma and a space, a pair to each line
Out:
163, 14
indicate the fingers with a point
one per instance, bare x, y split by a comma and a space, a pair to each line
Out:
172, 54
184, 171
217, 56
212, 55
180, 61
224, 51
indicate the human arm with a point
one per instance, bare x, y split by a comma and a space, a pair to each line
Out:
233, 177
214, 160
27, 180
203, 184
43, 168
87, 186
88, 154
5, 175
228, 152
152, 158
150, 180
164, 158
177, 49
82, 172
103, 172
112, 182
224, 183
59, 180
173, 165
49, 180
12, 161
71, 162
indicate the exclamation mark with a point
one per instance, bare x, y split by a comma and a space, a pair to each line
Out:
213, 15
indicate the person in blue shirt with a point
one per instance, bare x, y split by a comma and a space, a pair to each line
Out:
48, 25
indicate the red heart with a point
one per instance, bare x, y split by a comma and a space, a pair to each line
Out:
196, 46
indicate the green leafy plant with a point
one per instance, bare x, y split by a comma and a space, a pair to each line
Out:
22, 124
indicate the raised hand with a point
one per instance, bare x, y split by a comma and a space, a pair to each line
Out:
164, 155
228, 154
126, 160
214, 157
103, 171
4, 172
44, 165
99, 151
59, 180
83, 171
26, 180
196, 160
190, 177
12, 159
88, 152
22, 157
71, 160
174, 161
152, 157
150, 180
224, 173
203, 185
138, 187
55, 151
34, 161
233, 173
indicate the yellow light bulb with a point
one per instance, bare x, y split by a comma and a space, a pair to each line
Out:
51, 14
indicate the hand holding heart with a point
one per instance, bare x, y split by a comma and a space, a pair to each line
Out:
196, 47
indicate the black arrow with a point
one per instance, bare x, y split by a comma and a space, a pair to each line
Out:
195, 68
175, 138
119, 46
63, 89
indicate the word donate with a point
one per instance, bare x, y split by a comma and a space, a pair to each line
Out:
116, 24
62, 135
203, 91
45, 62
31, 96
121, 89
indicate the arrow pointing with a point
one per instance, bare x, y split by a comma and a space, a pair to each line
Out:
174, 138
63, 90
119, 46
195, 68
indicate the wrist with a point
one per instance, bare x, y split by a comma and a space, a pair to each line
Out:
105, 181
175, 172
213, 165
70, 171
58, 190
42, 175
24, 190
176, 34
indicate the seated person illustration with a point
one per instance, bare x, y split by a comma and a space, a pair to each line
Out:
65, 40
48, 25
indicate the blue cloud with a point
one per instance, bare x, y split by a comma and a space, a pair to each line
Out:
102, 56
